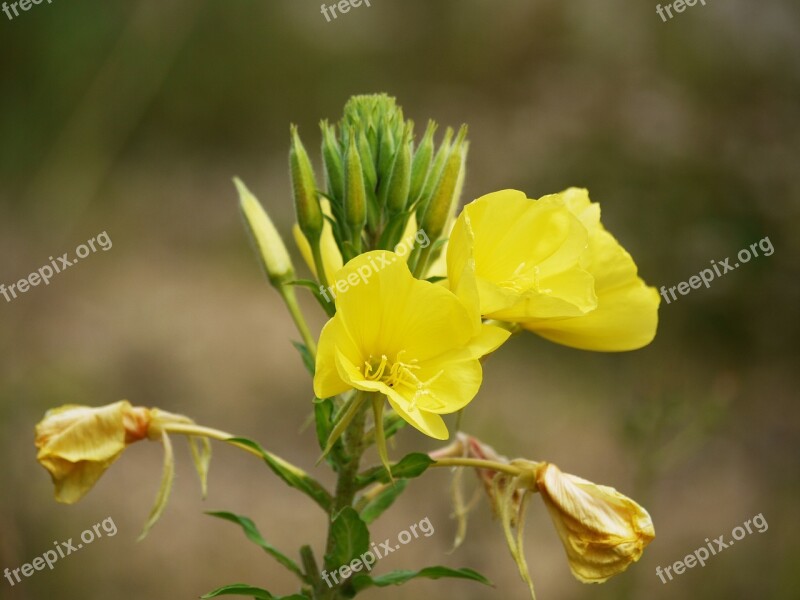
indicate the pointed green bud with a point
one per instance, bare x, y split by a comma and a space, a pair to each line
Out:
355, 199
332, 160
438, 211
434, 174
367, 162
385, 161
422, 163
304, 190
271, 249
400, 180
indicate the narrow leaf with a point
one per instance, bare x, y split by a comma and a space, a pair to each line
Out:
308, 359
292, 475
375, 507
242, 589
252, 533
410, 466
363, 581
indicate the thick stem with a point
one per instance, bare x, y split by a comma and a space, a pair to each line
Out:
346, 488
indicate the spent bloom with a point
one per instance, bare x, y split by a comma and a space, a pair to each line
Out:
413, 341
602, 530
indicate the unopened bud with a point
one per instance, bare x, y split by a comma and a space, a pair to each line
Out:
400, 180
434, 174
447, 189
355, 200
304, 190
422, 163
270, 246
332, 160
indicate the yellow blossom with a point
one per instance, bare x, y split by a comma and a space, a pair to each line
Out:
413, 341
550, 266
602, 531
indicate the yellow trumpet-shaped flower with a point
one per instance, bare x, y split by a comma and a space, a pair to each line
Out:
78, 443
602, 531
551, 266
413, 341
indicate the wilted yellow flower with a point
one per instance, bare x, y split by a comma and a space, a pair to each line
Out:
550, 266
602, 531
78, 443
413, 341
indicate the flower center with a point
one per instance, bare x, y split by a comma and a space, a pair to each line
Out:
399, 373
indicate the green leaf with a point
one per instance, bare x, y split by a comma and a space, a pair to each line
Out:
242, 589
292, 475
308, 359
363, 581
350, 538
252, 533
167, 478
375, 507
410, 466
314, 287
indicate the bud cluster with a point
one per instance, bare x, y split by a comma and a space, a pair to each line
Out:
377, 179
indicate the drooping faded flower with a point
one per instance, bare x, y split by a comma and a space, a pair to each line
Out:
602, 531
550, 266
413, 341
77, 444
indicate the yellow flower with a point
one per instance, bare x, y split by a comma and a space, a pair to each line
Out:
550, 266
626, 317
78, 443
415, 342
602, 531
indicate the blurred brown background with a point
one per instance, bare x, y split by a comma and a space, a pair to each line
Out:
132, 117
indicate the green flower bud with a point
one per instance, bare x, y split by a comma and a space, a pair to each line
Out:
422, 163
439, 207
332, 160
304, 190
274, 257
355, 199
434, 174
385, 161
400, 180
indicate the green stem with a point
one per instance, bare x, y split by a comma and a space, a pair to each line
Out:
319, 265
346, 488
290, 299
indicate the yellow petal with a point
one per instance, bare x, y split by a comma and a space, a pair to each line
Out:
602, 530
527, 257
626, 317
